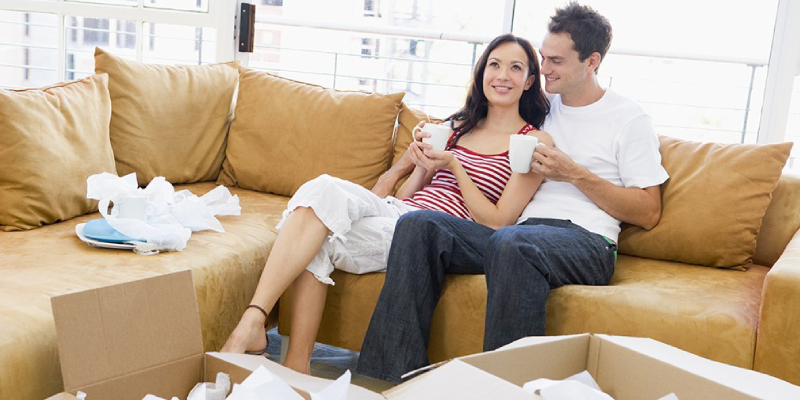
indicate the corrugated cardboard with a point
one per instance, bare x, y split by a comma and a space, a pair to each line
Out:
125, 341
625, 368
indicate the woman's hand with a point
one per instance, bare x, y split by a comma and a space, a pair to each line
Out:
417, 134
424, 157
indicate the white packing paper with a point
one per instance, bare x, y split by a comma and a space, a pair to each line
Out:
336, 390
263, 385
171, 217
581, 386
211, 391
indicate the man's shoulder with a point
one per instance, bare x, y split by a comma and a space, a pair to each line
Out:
624, 104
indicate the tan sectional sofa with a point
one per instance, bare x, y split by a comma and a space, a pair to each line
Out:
285, 133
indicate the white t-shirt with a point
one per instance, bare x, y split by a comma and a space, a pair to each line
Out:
614, 139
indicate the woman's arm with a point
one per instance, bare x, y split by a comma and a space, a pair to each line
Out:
516, 195
418, 179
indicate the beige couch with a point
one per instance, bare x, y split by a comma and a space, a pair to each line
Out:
175, 122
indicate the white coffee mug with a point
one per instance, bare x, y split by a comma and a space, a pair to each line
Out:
520, 152
438, 136
133, 207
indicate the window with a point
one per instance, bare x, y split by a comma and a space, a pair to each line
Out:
83, 34
126, 34
28, 49
95, 32
371, 8
190, 5
694, 84
132, 29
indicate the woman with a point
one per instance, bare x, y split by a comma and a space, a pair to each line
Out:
334, 223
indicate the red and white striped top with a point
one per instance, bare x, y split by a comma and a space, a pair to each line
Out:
490, 172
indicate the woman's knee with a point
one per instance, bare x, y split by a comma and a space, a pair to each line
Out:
422, 224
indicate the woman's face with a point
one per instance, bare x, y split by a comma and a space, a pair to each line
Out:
506, 75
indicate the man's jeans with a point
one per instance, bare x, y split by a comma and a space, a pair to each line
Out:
521, 262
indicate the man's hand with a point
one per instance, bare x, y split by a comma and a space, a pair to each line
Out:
387, 182
555, 165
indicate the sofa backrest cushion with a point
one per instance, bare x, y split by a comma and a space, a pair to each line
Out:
51, 140
712, 205
286, 133
408, 119
168, 121
781, 221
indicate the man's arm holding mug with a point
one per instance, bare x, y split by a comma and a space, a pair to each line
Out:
635, 206
387, 182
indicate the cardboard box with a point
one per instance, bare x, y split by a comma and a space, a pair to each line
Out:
125, 341
122, 342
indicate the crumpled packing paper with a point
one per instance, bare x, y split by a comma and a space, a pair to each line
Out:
580, 386
211, 391
172, 216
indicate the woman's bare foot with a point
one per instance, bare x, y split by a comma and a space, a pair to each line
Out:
249, 334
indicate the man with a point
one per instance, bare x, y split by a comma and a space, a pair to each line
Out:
605, 168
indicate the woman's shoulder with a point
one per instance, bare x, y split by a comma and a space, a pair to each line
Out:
542, 136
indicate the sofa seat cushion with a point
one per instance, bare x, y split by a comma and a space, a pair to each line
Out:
709, 312
50, 261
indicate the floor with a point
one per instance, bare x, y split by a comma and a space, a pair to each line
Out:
330, 362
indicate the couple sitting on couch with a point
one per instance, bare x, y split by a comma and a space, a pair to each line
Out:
463, 211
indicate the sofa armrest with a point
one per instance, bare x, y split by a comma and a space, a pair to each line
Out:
777, 344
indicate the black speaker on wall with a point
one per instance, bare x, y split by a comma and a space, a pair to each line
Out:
247, 27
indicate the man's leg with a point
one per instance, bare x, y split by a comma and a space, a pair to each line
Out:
523, 262
426, 245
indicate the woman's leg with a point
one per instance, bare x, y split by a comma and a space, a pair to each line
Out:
308, 302
298, 242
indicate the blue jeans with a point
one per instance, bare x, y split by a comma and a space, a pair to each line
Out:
521, 262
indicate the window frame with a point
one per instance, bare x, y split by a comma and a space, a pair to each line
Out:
221, 15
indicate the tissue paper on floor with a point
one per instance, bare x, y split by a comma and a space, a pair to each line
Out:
171, 217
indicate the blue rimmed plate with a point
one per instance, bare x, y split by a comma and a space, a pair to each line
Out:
100, 230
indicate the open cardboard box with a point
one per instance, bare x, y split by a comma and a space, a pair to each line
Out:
124, 341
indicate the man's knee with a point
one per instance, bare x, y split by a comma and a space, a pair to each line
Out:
512, 247
506, 240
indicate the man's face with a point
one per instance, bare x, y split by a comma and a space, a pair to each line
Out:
562, 69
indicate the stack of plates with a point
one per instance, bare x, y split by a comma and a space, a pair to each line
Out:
99, 233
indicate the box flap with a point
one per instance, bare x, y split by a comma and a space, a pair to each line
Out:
635, 368
457, 380
121, 329
553, 358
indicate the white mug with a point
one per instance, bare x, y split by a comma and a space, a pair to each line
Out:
438, 136
133, 207
520, 152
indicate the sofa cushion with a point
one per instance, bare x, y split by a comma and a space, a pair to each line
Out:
168, 121
286, 133
51, 140
712, 204
713, 313
51, 261
709, 312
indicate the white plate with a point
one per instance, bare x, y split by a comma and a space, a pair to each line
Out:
97, 243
